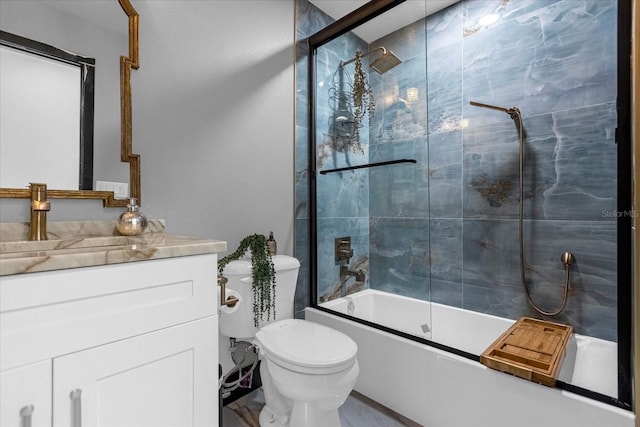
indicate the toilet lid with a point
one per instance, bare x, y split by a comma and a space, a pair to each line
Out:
306, 344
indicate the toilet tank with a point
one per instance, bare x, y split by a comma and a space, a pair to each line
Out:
237, 322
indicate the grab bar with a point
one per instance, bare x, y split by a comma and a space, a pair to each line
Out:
368, 165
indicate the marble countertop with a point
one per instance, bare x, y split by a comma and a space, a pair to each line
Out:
84, 244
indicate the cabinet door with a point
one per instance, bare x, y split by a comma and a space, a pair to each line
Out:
25, 396
163, 378
93, 306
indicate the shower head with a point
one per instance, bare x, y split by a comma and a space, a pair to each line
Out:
382, 64
385, 62
513, 112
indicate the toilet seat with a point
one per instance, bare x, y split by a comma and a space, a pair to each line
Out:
306, 347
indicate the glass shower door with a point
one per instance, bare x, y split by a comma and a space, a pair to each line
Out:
372, 197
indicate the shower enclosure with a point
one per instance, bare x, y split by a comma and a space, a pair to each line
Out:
419, 198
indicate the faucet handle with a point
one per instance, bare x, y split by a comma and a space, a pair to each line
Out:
346, 253
342, 249
39, 208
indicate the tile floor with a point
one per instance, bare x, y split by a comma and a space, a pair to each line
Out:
357, 411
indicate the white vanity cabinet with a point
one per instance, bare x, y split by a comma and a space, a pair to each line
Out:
25, 395
156, 379
131, 344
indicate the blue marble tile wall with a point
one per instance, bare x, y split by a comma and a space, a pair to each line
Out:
556, 61
446, 228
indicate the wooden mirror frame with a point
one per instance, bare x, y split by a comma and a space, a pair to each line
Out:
126, 145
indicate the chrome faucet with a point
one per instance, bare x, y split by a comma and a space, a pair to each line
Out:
344, 272
39, 208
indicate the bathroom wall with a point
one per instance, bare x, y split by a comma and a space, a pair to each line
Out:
556, 61
212, 120
41, 22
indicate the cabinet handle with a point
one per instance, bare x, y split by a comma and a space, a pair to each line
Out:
76, 408
25, 416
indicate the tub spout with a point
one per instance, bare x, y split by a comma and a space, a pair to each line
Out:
344, 272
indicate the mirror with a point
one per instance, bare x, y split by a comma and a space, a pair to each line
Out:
46, 92
127, 63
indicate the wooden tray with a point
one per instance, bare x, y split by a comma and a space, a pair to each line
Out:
531, 349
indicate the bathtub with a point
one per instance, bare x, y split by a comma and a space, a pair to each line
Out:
437, 388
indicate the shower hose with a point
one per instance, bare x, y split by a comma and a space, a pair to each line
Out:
567, 257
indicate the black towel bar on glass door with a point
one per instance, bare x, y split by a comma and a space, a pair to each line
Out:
368, 165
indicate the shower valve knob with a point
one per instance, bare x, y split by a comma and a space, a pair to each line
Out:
343, 251
347, 253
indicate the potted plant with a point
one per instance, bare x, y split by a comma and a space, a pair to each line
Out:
263, 275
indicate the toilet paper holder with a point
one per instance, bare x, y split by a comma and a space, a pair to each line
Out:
229, 301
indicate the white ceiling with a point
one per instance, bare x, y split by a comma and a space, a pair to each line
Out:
400, 16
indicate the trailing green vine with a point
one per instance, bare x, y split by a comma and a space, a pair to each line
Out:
363, 100
263, 275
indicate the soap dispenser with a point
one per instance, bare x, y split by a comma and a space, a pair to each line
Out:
132, 222
272, 244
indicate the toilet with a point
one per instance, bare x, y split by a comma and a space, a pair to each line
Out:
307, 369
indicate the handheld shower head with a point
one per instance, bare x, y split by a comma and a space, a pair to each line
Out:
567, 258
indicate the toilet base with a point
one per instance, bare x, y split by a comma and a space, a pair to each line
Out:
301, 416
268, 419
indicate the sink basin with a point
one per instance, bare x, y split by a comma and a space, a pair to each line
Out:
20, 247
